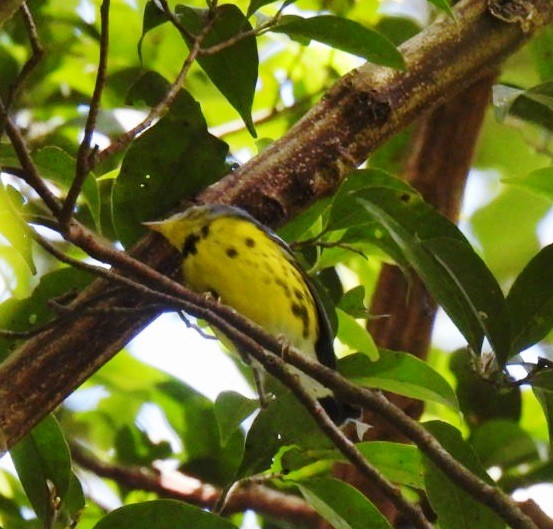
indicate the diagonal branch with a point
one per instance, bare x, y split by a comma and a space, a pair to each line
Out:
363, 109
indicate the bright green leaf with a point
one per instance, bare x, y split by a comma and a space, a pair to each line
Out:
401, 373
539, 181
354, 335
341, 505
343, 34
43, 465
399, 462
162, 514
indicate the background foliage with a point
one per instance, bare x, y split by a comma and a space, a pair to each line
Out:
497, 288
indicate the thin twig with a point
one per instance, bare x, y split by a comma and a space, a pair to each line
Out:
29, 169
277, 367
84, 155
161, 108
189, 37
483, 492
37, 52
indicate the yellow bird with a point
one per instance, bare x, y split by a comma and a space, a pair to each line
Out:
245, 265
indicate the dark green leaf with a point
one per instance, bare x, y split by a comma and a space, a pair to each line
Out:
481, 399
233, 69
452, 271
172, 160
162, 514
345, 214
343, 34
401, 373
284, 422
502, 443
355, 336
539, 181
231, 409
192, 417
58, 166
43, 465
353, 302
341, 505
530, 301
542, 94
454, 507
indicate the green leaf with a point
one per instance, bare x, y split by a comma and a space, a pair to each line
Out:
231, 409
153, 17
354, 335
452, 271
343, 34
162, 514
454, 507
480, 399
530, 301
43, 465
12, 226
503, 443
443, 5
539, 181
353, 302
172, 160
192, 417
399, 462
233, 69
541, 46
341, 505
283, 422
542, 386
58, 166
255, 5
26, 314
401, 373
542, 94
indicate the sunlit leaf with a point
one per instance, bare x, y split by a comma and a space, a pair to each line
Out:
43, 465
162, 514
354, 335
343, 34
401, 373
341, 505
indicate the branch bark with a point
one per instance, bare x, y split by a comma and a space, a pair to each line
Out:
358, 114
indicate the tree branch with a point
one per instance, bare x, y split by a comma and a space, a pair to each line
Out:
189, 489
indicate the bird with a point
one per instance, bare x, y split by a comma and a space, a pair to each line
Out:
227, 253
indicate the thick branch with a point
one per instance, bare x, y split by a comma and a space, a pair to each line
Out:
179, 486
363, 109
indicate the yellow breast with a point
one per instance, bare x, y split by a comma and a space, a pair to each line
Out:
247, 270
